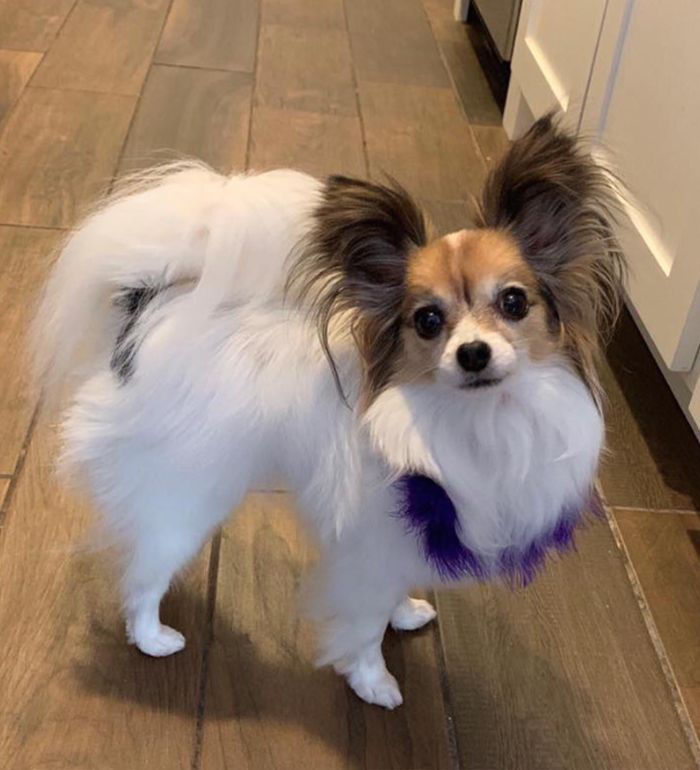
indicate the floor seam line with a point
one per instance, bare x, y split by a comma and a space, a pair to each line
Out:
669, 675
137, 103
444, 682
35, 227
356, 88
455, 91
93, 91
48, 48
200, 711
156, 63
253, 91
19, 466
663, 511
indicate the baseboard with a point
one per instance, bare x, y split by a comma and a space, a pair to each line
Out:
675, 380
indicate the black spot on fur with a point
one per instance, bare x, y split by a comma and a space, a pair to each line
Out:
132, 302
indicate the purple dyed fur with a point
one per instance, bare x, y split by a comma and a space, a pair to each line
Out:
431, 515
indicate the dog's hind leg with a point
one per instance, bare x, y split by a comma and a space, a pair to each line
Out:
168, 533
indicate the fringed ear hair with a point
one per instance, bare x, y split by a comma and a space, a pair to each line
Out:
561, 207
354, 261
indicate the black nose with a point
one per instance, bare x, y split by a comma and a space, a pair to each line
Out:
473, 356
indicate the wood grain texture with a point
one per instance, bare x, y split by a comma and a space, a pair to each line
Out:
305, 68
419, 135
492, 141
73, 694
312, 142
31, 25
447, 216
58, 150
392, 43
472, 87
26, 257
4, 487
328, 14
562, 674
192, 112
267, 706
665, 551
471, 84
105, 46
16, 67
440, 11
654, 456
220, 34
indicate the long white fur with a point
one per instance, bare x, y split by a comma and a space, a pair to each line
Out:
231, 390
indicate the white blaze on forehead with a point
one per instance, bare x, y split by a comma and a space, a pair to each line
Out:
484, 284
456, 240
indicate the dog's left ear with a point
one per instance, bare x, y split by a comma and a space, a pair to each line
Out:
561, 206
354, 262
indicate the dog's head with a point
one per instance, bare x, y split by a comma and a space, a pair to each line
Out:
538, 276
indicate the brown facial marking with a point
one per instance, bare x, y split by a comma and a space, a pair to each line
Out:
461, 261
462, 273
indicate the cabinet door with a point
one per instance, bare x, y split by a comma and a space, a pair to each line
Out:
643, 104
555, 46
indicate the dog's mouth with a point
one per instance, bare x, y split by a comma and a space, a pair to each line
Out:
481, 382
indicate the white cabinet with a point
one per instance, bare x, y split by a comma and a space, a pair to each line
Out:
626, 73
554, 51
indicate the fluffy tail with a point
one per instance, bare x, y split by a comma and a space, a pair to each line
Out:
143, 235
174, 223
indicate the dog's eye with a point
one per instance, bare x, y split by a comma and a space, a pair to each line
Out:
428, 322
513, 303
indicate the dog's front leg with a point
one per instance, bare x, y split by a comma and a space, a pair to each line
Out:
364, 668
367, 674
355, 606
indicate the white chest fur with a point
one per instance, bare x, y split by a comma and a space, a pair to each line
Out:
511, 457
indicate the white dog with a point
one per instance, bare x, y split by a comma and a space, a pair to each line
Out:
433, 405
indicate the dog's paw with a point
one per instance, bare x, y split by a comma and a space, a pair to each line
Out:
159, 643
412, 614
378, 689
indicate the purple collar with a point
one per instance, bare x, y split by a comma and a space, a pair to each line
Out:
431, 515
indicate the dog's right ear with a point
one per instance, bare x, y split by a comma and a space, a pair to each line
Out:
353, 262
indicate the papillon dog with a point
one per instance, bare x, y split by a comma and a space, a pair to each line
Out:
431, 403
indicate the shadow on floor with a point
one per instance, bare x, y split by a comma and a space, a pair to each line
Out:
253, 692
668, 437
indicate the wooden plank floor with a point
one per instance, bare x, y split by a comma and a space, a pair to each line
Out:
74, 695
561, 675
568, 674
26, 257
664, 549
266, 706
